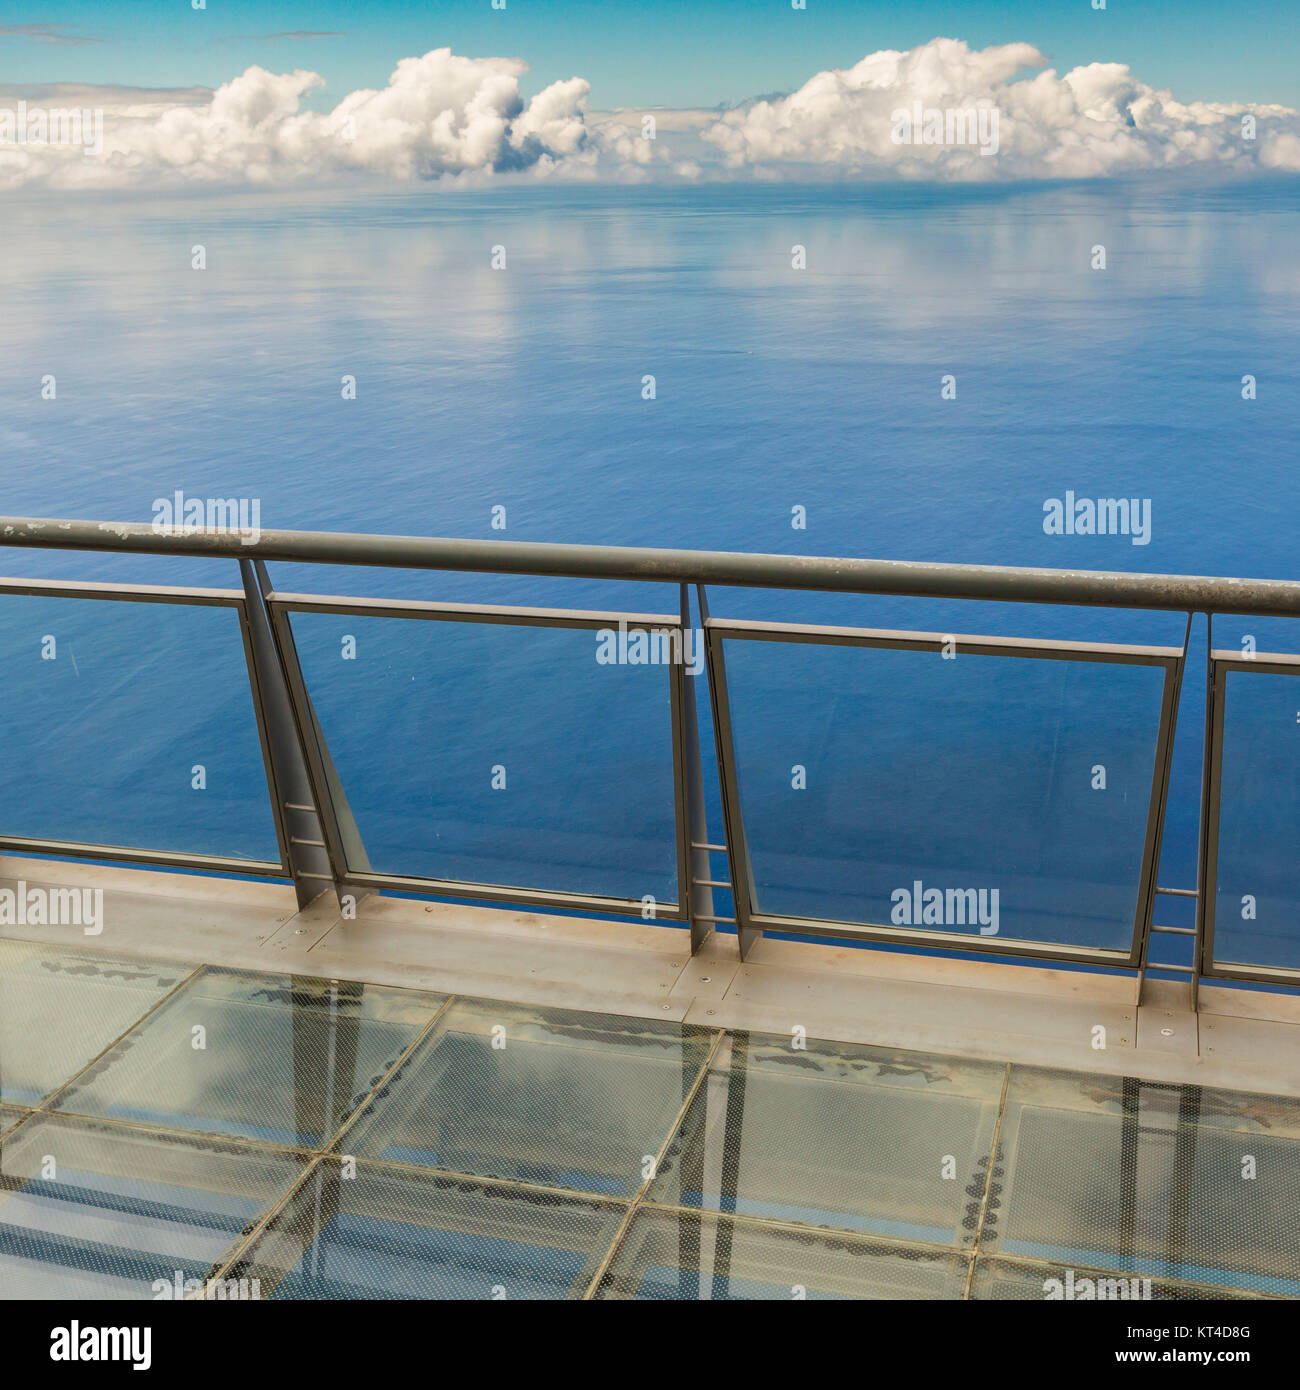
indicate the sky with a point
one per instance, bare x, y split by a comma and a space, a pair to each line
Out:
238, 94
642, 52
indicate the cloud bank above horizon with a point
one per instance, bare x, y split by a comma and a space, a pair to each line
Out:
447, 117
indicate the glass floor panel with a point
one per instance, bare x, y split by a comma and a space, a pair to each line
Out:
689, 1255
830, 1134
95, 997
330, 1140
1137, 1177
277, 1059
1007, 1279
392, 1233
94, 1210
584, 1102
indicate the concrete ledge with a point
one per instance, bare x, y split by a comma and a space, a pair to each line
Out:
1242, 1040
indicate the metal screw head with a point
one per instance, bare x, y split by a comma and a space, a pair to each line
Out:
704, 979
1166, 1032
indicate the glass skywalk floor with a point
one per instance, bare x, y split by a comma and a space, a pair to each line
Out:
167, 1127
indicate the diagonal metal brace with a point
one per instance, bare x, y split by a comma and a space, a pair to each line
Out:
298, 814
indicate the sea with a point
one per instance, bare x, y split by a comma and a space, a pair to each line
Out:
900, 372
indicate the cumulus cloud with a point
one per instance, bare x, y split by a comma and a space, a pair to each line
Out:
1095, 121
440, 115
443, 116
641, 143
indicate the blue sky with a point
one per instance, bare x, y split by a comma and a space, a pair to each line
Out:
643, 52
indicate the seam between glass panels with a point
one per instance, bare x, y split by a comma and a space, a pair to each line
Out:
103, 1052
988, 1184
455, 1175
349, 1120
197, 1136
680, 1119
703, 1214
221, 1267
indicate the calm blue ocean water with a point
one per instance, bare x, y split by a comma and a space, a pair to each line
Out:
775, 388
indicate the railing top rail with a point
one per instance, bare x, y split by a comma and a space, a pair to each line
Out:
916, 579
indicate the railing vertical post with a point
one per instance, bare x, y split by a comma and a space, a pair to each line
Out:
742, 881
1207, 868
1149, 887
296, 808
699, 889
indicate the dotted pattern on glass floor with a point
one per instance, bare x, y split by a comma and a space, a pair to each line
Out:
238, 1134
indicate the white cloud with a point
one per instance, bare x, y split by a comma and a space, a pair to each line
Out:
443, 116
1095, 121
440, 115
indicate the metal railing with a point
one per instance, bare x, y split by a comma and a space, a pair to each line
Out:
320, 848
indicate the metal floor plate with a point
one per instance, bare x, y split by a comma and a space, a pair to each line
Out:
241, 1135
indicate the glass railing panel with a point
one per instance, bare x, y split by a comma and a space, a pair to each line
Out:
1257, 880
483, 753
131, 724
984, 795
